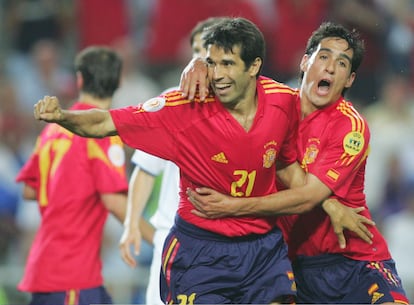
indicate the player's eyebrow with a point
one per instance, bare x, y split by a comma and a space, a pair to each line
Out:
343, 55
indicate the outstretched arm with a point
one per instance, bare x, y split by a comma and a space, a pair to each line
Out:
92, 123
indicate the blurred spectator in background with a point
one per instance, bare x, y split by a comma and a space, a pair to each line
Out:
36, 30
28, 21
13, 127
393, 199
41, 72
398, 230
391, 121
400, 39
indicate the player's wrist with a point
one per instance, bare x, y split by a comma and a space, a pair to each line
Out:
131, 225
330, 206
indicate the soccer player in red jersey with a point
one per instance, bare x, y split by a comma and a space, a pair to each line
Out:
229, 142
333, 145
75, 181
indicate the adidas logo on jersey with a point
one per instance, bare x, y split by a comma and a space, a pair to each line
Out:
220, 157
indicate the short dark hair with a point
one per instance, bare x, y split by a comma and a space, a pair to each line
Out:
330, 29
241, 32
101, 71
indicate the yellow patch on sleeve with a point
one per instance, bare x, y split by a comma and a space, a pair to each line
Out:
353, 143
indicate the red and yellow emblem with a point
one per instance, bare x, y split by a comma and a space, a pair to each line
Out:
269, 158
310, 154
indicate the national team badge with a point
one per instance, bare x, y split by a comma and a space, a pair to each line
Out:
154, 104
353, 143
310, 154
269, 158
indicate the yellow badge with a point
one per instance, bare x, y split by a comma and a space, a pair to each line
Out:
353, 143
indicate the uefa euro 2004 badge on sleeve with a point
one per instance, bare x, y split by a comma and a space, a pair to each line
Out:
154, 104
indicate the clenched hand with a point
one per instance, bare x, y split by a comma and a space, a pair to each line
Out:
48, 109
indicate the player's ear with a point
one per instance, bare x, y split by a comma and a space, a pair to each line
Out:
350, 80
304, 63
79, 80
255, 66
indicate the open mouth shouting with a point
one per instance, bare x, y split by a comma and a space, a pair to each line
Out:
324, 86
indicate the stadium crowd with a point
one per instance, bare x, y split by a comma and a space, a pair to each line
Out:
39, 39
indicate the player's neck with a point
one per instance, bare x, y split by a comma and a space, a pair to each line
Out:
102, 103
245, 112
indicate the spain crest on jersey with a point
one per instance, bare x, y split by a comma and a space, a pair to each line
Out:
310, 154
269, 158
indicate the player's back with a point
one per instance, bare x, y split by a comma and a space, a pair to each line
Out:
69, 173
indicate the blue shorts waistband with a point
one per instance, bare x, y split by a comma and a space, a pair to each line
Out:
193, 231
319, 260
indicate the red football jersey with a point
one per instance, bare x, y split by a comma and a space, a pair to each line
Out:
333, 144
212, 149
70, 173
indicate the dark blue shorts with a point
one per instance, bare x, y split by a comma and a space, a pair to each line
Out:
200, 267
97, 295
340, 280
